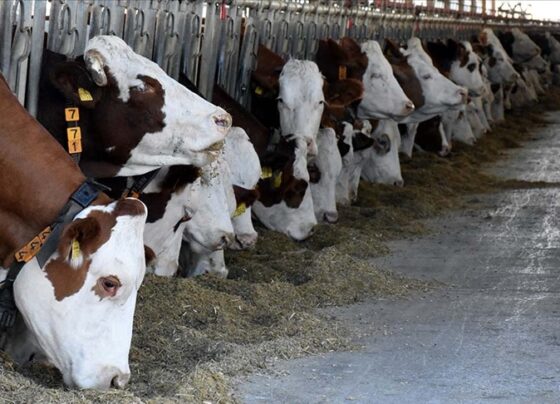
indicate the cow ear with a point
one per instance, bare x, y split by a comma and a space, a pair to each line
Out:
350, 46
76, 240
74, 82
343, 92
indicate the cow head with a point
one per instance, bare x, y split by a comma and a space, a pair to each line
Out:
301, 101
381, 161
172, 201
554, 44
383, 96
439, 92
211, 225
497, 61
465, 69
80, 306
404, 73
245, 169
522, 47
323, 187
285, 202
141, 119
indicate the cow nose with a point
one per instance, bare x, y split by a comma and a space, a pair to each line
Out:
120, 380
330, 217
225, 240
398, 183
409, 106
222, 121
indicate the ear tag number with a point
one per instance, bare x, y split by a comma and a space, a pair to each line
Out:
71, 114
74, 136
84, 94
241, 208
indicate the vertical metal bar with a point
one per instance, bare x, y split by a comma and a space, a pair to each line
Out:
5, 36
37, 38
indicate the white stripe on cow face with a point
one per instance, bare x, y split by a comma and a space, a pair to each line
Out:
301, 101
383, 96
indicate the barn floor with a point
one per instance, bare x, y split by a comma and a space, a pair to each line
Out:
492, 334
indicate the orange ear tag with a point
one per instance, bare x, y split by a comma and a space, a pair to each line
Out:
71, 114
241, 208
74, 136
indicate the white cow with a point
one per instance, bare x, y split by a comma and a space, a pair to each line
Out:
380, 163
301, 101
383, 97
349, 165
59, 311
245, 169
329, 165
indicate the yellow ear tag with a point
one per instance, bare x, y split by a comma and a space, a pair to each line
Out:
76, 252
266, 172
241, 208
258, 91
277, 180
341, 72
84, 94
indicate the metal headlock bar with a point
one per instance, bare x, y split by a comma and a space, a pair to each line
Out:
216, 40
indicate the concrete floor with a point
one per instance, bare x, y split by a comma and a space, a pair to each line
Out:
492, 335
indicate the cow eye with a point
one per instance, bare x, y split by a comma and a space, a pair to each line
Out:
108, 285
427, 76
375, 75
322, 102
471, 67
280, 100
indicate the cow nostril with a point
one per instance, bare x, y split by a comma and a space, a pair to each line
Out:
223, 121
120, 380
409, 106
330, 217
398, 183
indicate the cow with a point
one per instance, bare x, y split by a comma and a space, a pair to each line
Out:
133, 117
283, 188
77, 306
323, 185
380, 162
245, 169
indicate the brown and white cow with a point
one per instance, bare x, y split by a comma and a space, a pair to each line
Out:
78, 308
134, 118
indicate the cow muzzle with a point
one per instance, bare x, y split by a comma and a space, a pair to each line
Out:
223, 122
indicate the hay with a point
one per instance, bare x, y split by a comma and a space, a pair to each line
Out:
193, 335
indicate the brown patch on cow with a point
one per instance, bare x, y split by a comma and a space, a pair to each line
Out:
268, 69
176, 179
111, 128
314, 173
361, 141
149, 254
403, 72
91, 233
129, 207
245, 196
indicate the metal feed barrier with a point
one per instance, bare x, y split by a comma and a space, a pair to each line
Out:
216, 41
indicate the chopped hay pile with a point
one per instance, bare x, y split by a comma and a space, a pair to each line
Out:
192, 335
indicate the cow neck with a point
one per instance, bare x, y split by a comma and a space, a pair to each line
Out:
37, 176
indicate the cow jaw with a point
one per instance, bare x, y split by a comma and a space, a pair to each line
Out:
83, 329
